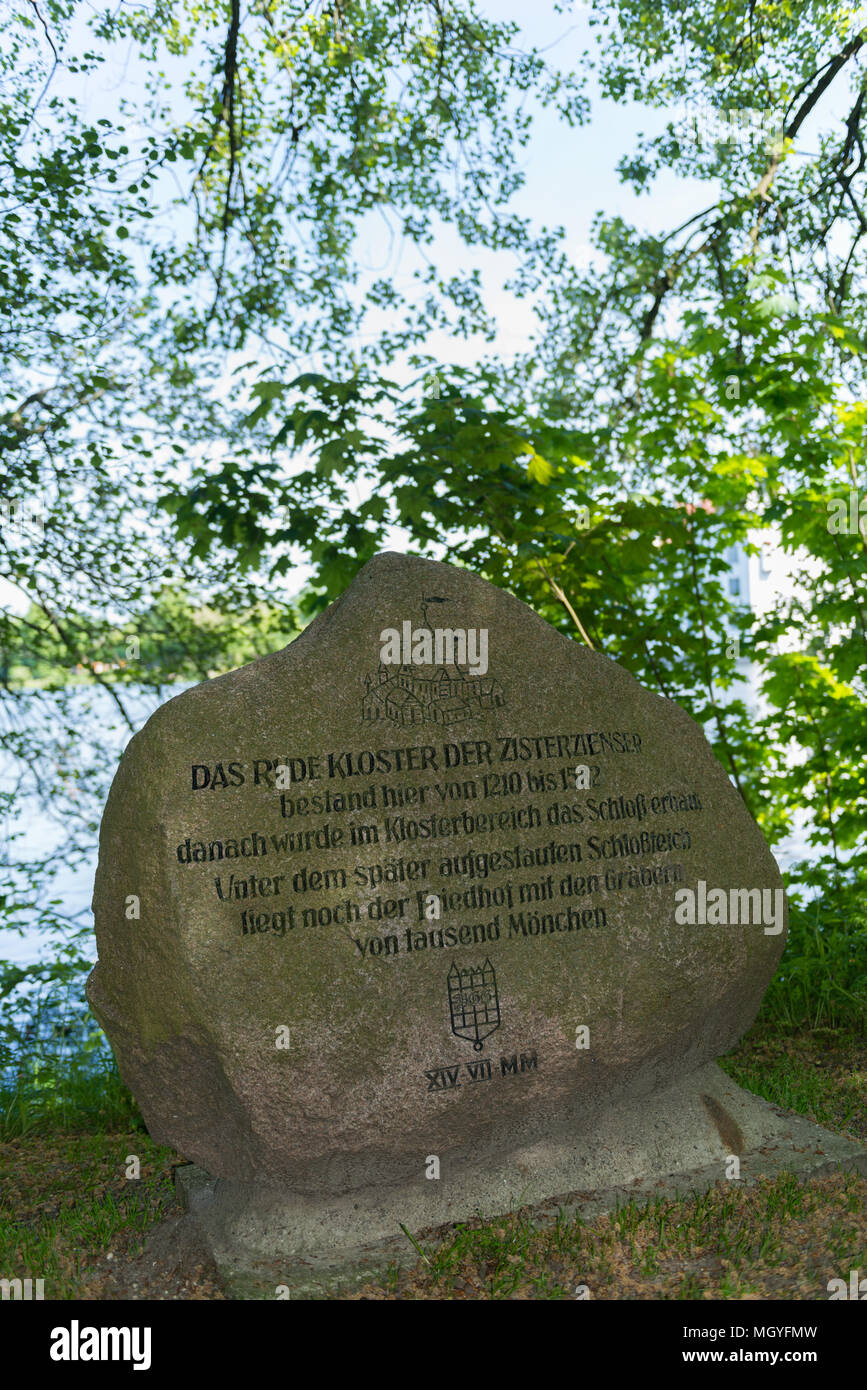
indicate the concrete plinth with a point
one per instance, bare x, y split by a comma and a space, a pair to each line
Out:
676, 1141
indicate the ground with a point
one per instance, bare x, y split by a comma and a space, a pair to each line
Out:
70, 1214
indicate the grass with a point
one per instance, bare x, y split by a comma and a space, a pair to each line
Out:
820, 1073
81, 1097
57, 1071
780, 1238
821, 981
66, 1201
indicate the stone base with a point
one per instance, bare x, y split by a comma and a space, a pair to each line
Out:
673, 1143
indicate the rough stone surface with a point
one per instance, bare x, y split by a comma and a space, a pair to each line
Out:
448, 771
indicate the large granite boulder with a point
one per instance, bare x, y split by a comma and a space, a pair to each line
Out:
420, 884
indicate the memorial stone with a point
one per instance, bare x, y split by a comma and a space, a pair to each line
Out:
433, 912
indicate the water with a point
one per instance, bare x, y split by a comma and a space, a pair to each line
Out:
102, 735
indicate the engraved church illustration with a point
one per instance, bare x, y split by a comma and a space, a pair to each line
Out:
426, 693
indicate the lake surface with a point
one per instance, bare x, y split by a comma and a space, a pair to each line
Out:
98, 725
